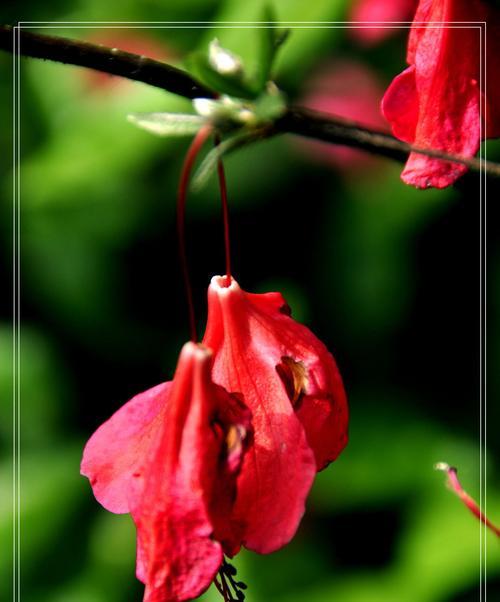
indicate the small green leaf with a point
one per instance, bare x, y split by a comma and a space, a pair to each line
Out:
270, 105
270, 40
233, 84
167, 124
209, 163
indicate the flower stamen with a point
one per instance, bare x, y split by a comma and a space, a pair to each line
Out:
294, 377
227, 574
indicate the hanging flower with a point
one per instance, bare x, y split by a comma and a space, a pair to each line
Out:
435, 103
170, 457
291, 384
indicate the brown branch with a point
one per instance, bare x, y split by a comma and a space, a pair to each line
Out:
108, 60
339, 130
304, 122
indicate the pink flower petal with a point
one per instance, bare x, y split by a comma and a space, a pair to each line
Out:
250, 335
115, 455
435, 103
171, 457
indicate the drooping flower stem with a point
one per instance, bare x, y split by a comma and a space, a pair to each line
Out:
192, 153
455, 485
225, 214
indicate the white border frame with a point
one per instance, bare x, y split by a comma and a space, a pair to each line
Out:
16, 228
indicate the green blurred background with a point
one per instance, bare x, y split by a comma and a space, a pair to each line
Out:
387, 276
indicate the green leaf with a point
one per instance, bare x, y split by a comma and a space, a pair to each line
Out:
304, 49
233, 84
270, 106
209, 163
167, 124
270, 39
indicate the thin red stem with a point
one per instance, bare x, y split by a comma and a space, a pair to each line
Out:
225, 214
192, 153
471, 504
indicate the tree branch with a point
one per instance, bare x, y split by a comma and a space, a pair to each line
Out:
107, 60
339, 130
304, 122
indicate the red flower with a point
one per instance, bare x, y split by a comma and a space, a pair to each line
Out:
379, 11
170, 457
291, 384
435, 102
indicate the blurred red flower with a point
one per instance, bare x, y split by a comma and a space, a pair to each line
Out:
170, 457
435, 103
379, 11
348, 89
292, 385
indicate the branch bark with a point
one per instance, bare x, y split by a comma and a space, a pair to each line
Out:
338, 130
107, 60
304, 122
